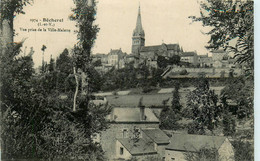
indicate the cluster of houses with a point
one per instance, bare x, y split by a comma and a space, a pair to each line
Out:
134, 133
149, 54
134, 130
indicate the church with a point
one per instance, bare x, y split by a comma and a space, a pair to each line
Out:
149, 54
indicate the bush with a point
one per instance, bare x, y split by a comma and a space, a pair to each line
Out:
244, 150
184, 72
146, 89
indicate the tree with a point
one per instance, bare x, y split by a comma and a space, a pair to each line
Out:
84, 17
171, 114
8, 10
202, 102
232, 22
162, 62
64, 68
20, 105
175, 59
240, 91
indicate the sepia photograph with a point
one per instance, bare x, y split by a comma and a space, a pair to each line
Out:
127, 80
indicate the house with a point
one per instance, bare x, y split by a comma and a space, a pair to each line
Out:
101, 57
122, 122
182, 144
140, 149
160, 139
166, 50
218, 55
115, 58
205, 61
150, 145
190, 57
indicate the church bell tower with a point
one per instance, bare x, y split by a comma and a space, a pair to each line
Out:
138, 39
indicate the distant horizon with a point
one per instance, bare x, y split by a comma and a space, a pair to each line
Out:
163, 22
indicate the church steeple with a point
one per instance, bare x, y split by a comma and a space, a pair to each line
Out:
138, 39
138, 31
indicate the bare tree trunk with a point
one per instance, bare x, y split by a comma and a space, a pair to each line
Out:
77, 89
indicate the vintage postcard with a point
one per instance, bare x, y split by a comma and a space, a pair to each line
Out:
134, 80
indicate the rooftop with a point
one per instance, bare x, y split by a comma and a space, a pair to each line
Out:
148, 100
133, 115
193, 143
186, 54
219, 51
157, 135
157, 47
142, 146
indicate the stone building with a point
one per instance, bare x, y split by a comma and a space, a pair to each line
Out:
115, 58
205, 61
117, 141
149, 54
101, 57
218, 55
138, 38
190, 57
182, 144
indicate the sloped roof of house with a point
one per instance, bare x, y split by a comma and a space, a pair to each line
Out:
142, 146
116, 52
157, 135
193, 143
203, 56
157, 47
133, 100
219, 51
188, 54
133, 115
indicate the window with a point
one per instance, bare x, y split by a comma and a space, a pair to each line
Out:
125, 133
121, 151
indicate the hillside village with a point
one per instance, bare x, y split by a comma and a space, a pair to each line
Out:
219, 64
135, 129
157, 103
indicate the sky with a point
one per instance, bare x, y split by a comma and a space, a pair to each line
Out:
164, 21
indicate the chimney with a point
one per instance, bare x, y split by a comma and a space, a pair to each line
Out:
142, 108
112, 115
142, 113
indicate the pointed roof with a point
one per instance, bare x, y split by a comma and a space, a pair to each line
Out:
138, 31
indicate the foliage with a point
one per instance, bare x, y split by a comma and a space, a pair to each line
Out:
170, 115
203, 104
9, 7
23, 116
169, 119
68, 135
130, 77
84, 16
244, 150
163, 62
37, 122
229, 124
183, 72
231, 21
239, 91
